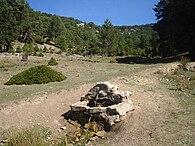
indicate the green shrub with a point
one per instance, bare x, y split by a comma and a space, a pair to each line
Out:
36, 75
28, 48
52, 62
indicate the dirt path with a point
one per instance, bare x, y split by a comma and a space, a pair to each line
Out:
154, 103
154, 106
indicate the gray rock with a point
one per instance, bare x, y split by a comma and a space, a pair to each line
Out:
105, 104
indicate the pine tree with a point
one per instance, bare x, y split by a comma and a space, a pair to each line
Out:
13, 20
108, 38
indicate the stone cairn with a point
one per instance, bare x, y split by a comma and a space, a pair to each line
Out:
104, 104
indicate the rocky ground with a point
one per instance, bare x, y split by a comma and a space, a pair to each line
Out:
154, 105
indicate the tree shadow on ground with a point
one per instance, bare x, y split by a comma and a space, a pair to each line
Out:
146, 60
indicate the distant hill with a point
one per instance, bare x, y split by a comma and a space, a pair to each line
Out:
135, 28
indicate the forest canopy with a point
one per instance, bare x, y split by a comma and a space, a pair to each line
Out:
172, 34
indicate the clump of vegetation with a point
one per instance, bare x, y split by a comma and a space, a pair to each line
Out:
11, 50
18, 50
25, 56
63, 142
83, 135
185, 80
52, 62
36, 75
34, 136
45, 50
38, 136
183, 63
35, 54
40, 54
113, 60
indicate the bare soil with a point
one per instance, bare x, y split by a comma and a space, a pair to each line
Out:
154, 105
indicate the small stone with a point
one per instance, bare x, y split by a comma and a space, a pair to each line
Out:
63, 128
101, 134
94, 138
4, 141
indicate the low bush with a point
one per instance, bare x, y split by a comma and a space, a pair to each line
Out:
52, 62
36, 75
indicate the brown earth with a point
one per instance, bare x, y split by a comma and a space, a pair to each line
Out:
153, 101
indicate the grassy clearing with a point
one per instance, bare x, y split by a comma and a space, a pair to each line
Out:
77, 72
180, 129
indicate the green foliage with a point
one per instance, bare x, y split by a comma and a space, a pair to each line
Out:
18, 50
34, 54
24, 24
52, 62
13, 18
34, 136
108, 38
56, 27
61, 42
36, 49
11, 50
36, 75
139, 40
8, 20
28, 48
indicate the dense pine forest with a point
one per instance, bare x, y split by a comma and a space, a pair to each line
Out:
18, 21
